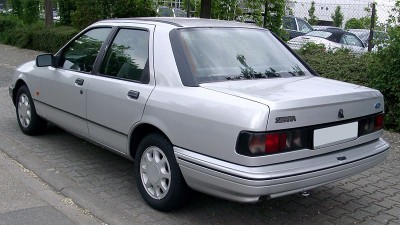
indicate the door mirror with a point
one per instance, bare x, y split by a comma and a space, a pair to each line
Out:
45, 60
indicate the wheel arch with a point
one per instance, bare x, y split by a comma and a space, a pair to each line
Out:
138, 133
17, 86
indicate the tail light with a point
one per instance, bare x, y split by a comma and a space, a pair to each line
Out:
267, 143
370, 124
256, 144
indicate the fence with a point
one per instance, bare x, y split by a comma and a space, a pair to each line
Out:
324, 10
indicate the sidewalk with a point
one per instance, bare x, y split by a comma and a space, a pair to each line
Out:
25, 199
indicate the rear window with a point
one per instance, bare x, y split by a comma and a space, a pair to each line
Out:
320, 33
221, 54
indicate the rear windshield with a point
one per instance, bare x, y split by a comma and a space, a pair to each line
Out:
319, 33
221, 54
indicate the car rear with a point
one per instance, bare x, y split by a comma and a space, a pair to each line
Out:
318, 130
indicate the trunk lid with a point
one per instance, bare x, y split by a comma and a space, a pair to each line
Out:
304, 101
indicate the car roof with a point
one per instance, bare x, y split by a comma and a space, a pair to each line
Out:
181, 22
336, 34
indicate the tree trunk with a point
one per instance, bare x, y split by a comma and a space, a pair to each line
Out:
48, 13
205, 10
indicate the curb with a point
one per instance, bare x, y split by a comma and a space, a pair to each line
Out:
62, 183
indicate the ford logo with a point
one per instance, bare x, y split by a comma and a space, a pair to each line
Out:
377, 105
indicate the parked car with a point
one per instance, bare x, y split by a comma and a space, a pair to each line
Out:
333, 39
379, 37
296, 26
221, 107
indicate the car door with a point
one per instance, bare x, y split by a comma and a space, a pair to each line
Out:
117, 96
63, 91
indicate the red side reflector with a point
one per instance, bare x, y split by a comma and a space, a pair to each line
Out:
275, 142
379, 122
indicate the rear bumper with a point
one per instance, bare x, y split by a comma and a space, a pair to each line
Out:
248, 184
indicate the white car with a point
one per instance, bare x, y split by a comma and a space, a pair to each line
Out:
221, 107
332, 39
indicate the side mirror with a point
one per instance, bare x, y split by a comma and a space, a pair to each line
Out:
45, 60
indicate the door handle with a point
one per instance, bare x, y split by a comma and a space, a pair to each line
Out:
133, 94
79, 81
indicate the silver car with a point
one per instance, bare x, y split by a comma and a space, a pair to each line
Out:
220, 107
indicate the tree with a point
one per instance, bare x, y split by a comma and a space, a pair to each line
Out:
313, 20
205, 9
48, 15
30, 13
274, 10
66, 9
17, 7
337, 17
225, 9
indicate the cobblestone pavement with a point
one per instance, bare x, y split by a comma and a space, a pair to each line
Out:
372, 197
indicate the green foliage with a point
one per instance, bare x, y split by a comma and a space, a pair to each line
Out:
8, 22
337, 17
87, 13
313, 20
384, 75
90, 11
362, 23
17, 7
38, 37
255, 10
274, 11
225, 9
340, 65
66, 9
31, 12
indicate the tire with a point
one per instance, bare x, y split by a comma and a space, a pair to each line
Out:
28, 120
157, 174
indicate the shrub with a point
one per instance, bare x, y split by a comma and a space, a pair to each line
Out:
38, 37
8, 22
339, 65
384, 76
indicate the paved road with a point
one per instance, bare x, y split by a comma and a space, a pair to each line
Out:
26, 199
103, 183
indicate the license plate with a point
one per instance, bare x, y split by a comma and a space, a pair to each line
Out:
334, 135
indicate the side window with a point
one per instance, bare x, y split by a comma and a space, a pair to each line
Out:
81, 53
351, 40
304, 27
289, 23
128, 56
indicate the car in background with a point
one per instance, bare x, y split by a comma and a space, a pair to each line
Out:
332, 39
295, 26
379, 37
221, 107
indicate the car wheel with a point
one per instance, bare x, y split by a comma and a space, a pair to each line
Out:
29, 122
157, 174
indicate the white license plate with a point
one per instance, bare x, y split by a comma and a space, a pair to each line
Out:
335, 135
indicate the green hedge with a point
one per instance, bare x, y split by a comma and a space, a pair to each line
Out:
37, 37
339, 65
8, 22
